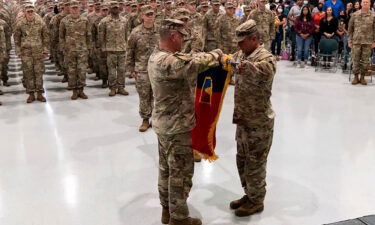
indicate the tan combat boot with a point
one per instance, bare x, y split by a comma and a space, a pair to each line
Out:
75, 94
122, 91
40, 97
82, 94
187, 221
239, 202
363, 80
249, 209
355, 80
112, 92
165, 216
31, 98
197, 157
144, 126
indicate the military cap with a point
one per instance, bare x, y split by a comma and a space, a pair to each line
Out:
97, 3
74, 4
104, 5
179, 2
127, 3
90, 3
246, 9
121, 1
181, 14
245, 29
29, 7
215, 2
141, 2
147, 9
173, 24
113, 4
229, 5
204, 4
263, 0
192, 2
133, 3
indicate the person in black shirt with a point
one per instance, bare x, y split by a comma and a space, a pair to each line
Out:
328, 28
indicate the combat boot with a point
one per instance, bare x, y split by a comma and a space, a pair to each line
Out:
122, 91
40, 97
187, 221
355, 80
249, 209
75, 94
5, 83
64, 80
112, 92
31, 98
1, 103
105, 83
1, 92
239, 202
82, 94
197, 157
165, 216
145, 125
363, 80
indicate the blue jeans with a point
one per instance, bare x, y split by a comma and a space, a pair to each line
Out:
303, 46
276, 44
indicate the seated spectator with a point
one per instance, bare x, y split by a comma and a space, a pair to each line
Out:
336, 5
304, 28
280, 23
357, 6
317, 17
329, 25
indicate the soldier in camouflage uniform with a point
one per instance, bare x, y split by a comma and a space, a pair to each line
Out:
246, 14
167, 11
6, 22
265, 20
253, 116
100, 55
142, 41
93, 59
113, 37
361, 34
47, 20
196, 19
172, 75
203, 9
209, 23
134, 19
75, 39
32, 45
225, 29
90, 8
3, 51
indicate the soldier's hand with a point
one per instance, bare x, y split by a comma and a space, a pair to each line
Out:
350, 45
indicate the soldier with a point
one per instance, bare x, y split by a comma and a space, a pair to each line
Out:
142, 41
203, 8
4, 62
93, 66
247, 11
361, 40
167, 12
113, 37
196, 19
209, 23
253, 116
225, 29
172, 75
75, 39
32, 43
134, 20
47, 20
100, 55
180, 4
265, 23
90, 8
3, 51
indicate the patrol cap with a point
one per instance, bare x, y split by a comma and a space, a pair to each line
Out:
245, 29
168, 2
147, 9
180, 2
66, 2
121, 1
181, 14
246, 9
173, 24
192, 2
141, 2
215, 2
29, 7
97, 3
263, 0
74, 4
104, 6
204, 4
113, 4
229, 5
90, 3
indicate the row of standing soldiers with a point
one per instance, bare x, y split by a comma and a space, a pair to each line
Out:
112, 40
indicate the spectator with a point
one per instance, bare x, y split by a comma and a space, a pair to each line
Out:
373, 7
349, 6
336, 5
304, 28
316, 9
328, 29
344, 23
294, 12
280, 23
357, 6
317, 17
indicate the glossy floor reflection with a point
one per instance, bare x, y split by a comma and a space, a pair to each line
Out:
84, 163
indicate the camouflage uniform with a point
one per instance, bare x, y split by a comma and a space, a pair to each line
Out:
102, 72
225, 31
55, 23
254, 116
75, 38
93, 58
209, 23
265, 20
32, 43
172, 76
4, 65
3, 49
113, 37
47, 20
361, 35
141, 43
